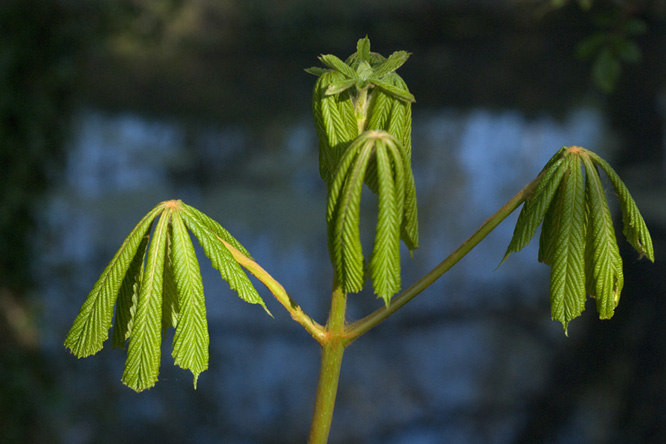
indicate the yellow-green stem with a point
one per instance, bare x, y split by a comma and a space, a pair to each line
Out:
297, 313
332, 349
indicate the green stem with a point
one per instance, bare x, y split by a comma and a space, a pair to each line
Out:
329, 374
365, 324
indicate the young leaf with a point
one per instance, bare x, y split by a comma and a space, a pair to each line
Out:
129, 295
221, 259
393, 90
385, 262
212, 226
392, 63
91, 326
170, 307
143, 352
603, 264
535, 207
634, 228
346, 235
567, 279
363, 49
191, 340
335, 63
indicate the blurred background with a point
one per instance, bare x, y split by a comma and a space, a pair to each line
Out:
109, 107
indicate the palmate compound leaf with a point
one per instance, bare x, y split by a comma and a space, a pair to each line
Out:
577, 236
343, 213
165, 291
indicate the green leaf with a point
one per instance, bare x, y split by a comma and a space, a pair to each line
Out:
606, 70
627, 50
212, 226
346, 238
634, 228
567, 279
221, 259
393, 90
91, 326
335, 63
535, 207
385, 261
392, 63
335, 122
129, 295
317, 71
363, 49
191, 340
143, 352
603, 264
170, 307
338, 87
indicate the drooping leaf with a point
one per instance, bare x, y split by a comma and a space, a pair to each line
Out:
535, 207
129, 295
221, 259
335, 123
567, 279
170, 307
603, 264
385, 263
634, 228
212, 226
91, 326
143, 352
191, 340
346, 234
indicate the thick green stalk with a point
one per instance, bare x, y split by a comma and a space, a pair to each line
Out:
362, 326
332, 349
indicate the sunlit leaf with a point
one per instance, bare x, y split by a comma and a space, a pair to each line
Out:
91, 326
129, 295
567, 279
221, 259
393, 62
385, 263
634, 228
170, 307
535, 207
143, 352
603, 264
335, 63
191, 340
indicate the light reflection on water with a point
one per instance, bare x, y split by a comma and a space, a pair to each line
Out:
266, 190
